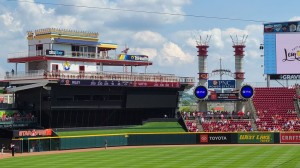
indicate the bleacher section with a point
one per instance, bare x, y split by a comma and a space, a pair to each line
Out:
275, 109
227, 126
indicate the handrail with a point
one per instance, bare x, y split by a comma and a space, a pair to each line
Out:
72, 54
120, 76
104, 55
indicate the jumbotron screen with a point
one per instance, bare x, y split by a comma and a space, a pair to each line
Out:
282, 48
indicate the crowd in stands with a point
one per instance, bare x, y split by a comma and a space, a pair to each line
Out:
17, 117
191, 126
219, 121
215, 115
227, 125
275, 109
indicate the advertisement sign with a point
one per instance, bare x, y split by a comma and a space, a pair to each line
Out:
288, 53
201, 92
290, 138
247, 91
286, 77
227, 96
33, 133
55, 52
74, 82
156, 84
221, 83
217, 138
282, 27
255, 138
133, 57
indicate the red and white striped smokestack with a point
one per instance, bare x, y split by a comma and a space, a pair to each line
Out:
239, 60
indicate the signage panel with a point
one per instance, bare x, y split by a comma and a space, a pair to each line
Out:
156, 84
255, 138
33, 133
285, 76
201, 92
221, 83
282, 27
217, 138
290, 138
133, 57
227, 96
288, 53
55, 52
74, 82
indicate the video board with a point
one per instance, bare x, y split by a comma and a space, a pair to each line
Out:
282, 48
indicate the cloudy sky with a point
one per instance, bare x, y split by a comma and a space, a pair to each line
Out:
165, 30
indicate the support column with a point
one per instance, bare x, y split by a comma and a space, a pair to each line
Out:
239, 71
203, 75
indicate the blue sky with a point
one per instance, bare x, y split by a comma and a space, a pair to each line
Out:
168, 40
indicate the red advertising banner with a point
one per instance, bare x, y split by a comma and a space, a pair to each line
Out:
289, 137
156, 84
203, 138
33, 133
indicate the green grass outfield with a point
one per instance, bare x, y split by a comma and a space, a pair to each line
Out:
219, 156
148, 127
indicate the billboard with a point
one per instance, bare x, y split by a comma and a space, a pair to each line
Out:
55, 52
133, 57
255, 138
282, 48
215, 138
282, 27
221, 83
290, 138
32, 133
75, 82
227, 96
79, 82
288, 53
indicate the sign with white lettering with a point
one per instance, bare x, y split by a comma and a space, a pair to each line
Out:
33, 133
290, 138
55, 52
227, 96
216, 138
221, 83
286, 77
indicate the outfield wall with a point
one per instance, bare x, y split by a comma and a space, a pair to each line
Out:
140, 139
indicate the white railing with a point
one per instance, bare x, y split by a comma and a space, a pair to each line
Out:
120, 76
73, 54
33, 74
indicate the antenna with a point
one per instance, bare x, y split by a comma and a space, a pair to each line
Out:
125, 51
236, 40
202, 42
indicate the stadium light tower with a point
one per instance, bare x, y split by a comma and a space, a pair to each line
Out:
202, 46
239, 45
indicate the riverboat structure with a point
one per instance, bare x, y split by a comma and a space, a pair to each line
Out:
65, 83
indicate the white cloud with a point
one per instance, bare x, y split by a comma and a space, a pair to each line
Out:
171, 54
295, 18
10, 22
149, 38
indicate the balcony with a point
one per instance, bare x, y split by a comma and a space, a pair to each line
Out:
111, 76
59, 53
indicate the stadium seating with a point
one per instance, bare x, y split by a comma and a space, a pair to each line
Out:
227, 126
275, 109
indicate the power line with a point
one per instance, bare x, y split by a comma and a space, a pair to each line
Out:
143, 11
